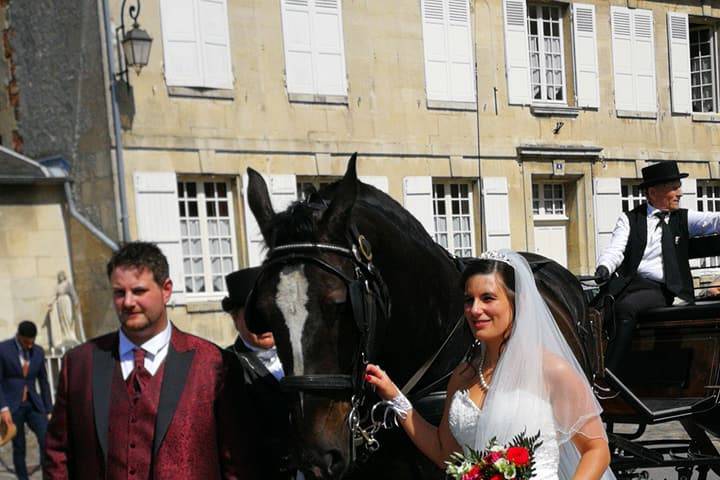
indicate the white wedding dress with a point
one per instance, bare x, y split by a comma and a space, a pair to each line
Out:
464, 418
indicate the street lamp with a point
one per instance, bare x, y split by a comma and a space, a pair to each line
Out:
135, 43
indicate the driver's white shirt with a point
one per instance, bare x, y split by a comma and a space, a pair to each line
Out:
651, 267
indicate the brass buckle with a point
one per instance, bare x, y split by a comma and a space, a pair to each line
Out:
365, 248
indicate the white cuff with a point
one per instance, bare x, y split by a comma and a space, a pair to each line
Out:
401, 405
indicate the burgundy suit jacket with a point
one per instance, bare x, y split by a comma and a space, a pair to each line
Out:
197, 405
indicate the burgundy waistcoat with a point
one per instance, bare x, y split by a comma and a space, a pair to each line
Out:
132, 428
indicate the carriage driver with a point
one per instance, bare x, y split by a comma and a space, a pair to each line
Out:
648, 254
261, 371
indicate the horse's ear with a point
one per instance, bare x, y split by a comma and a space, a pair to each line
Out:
336, 217
259, 199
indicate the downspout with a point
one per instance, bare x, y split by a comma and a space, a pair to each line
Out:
117, 133
84, 221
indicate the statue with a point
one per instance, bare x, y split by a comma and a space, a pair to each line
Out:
64, 319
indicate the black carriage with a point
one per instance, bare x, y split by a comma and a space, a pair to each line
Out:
671, 374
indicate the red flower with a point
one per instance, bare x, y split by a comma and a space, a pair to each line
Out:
497, 476
518, 455
493, 457
473, 473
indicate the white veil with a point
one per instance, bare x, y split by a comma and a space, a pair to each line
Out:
538, 381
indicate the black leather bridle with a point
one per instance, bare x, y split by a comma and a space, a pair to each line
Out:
370, 302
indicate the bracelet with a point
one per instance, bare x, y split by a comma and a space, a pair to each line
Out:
400, 405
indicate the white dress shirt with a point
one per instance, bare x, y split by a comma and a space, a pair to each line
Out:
269, 358
155, 351
651, 266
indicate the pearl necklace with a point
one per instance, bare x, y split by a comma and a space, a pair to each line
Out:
483, 383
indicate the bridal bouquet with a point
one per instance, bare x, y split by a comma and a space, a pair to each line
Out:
512, 461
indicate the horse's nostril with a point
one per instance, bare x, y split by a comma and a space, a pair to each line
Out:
334, 462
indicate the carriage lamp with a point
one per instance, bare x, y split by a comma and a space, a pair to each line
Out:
135, 43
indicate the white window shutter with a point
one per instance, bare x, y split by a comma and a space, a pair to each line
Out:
381, 183
297, 40
644, 60
283, 191
679, 41
181, 43
437, 69
621, 19
497, 212
328, 48
215, 43
460, 52
689, 190
417, 199
158, 220
517, 57
586, 64
608, 208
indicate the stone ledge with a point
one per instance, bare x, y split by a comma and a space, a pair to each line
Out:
320, 99
450, 105
192, 92
706, 117
203, 306
634, 114
554, 111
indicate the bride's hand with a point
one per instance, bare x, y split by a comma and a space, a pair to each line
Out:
384, 386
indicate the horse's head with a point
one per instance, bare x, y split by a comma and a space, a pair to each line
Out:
304, 297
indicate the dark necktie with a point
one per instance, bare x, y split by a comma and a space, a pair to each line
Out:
25, 371
671, 269
139, 377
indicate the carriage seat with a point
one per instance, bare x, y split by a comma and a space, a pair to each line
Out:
701, 310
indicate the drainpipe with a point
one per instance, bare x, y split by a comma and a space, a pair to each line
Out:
84, 221
125, 230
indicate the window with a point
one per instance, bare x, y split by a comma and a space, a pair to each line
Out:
196, 43
547, 65
708, 200
702, 64
314, 47
453, 217
447, 39
631, 195
548, 200
307, 185
633, 47
206, 235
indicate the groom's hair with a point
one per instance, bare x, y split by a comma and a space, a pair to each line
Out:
141, 255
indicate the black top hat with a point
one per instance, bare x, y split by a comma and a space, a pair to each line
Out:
239, 285
661, 172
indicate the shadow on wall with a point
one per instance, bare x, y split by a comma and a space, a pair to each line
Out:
89, 257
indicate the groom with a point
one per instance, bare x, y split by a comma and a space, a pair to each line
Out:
148, 400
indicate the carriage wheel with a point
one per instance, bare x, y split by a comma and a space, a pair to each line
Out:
684, 473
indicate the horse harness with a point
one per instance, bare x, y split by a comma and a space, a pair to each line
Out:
370, 302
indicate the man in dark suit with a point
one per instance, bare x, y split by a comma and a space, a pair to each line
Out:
261, 370
146, 401
22, 366
648, 254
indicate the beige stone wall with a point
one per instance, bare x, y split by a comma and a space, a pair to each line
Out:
387, 120
33, 249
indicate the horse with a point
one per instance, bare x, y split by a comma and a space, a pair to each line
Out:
306, 296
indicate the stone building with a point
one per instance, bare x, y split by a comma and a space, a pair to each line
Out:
500, 123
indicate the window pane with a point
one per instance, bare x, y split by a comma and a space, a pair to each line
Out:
209, 189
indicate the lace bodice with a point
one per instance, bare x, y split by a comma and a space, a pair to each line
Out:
464, 416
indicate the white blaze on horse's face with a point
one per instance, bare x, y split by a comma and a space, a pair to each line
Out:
291, 300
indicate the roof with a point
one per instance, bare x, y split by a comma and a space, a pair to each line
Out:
17, 168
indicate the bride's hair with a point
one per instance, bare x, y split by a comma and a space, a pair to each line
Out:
487, 267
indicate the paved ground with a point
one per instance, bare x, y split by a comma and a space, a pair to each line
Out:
6, 462
671, 430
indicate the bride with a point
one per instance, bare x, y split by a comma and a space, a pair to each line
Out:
520, 376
